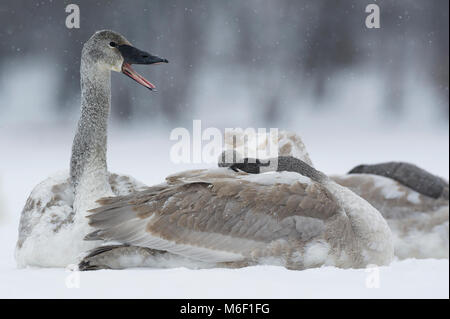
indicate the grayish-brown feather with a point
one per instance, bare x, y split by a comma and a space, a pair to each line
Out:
212, 215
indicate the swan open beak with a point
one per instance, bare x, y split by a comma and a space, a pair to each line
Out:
131, 55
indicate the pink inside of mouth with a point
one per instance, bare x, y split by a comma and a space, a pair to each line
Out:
127, 70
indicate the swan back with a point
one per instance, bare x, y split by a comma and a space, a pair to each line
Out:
220, 216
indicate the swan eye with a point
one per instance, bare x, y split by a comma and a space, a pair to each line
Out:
112, 44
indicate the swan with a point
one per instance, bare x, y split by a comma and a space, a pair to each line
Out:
53, 223
414, 202
222, 218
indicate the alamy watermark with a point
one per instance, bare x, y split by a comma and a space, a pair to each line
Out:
73, 19
204, 146
373, 19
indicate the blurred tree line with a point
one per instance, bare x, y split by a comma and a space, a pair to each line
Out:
313, 39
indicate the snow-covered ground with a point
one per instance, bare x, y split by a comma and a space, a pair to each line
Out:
406, 279
29, 155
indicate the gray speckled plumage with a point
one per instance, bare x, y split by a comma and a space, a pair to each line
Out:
60, 195
90, 142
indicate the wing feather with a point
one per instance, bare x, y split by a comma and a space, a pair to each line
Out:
216, 217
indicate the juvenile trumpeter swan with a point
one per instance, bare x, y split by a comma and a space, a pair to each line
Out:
218, 217
53, 221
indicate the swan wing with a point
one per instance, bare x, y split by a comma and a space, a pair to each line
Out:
48, 206
215, 216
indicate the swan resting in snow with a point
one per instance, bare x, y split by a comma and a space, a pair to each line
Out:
227, 219
53, 221
221, 218
414, 202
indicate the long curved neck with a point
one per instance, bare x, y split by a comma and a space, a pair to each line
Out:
88, 169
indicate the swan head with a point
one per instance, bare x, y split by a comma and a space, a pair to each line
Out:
110, 50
